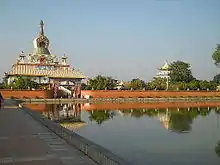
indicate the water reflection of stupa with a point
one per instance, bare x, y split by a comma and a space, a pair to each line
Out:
180, 120
165, 119
67, 115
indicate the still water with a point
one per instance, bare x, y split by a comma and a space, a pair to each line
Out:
156, 136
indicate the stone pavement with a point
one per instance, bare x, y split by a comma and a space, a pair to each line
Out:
24, 141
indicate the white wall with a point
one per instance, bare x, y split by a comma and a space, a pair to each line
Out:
44, 80
35, 79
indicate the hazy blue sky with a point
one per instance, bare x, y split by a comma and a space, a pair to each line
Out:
121, 38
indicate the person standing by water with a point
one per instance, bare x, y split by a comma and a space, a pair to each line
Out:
1, 100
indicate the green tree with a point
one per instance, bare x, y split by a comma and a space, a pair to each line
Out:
137, 84
216, 55
101, 83
203, 85
126, 86
213, 85
208, 85
180, 72
178, 85
84, 86
216, 78
2, 85
22, 83
157, 83
193, 85
5, 78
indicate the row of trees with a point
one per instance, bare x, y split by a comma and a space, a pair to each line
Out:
155, 84
102, 82
177, 118
180, 78
20, 83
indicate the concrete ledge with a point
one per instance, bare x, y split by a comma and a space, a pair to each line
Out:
97, 153
121, 100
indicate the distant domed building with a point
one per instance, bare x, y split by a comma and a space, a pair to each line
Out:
45, 68
163, 71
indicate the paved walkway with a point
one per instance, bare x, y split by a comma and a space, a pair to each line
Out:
24, 141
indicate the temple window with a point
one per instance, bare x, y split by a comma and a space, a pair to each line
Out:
42, 44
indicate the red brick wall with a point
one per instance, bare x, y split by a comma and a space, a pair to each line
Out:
26, 93
136, 94
110, 93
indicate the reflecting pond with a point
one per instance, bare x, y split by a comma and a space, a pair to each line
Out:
146, 135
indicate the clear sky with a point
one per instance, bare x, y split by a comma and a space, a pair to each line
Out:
124, 39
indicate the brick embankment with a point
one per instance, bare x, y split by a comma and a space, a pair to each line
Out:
24, 140
121, 100
147, 94
7, 93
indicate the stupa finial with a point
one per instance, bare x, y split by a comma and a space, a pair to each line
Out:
41, 27
64, 56
64, 59
21, 54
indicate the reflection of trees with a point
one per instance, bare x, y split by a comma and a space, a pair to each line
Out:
137, 113
217, 149
217, 110
180, 121
194, 112
151, 112
126, 112
191, 112
101, 115
204, 111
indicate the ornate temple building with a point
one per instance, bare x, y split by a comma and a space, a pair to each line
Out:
45, 68
163, 71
